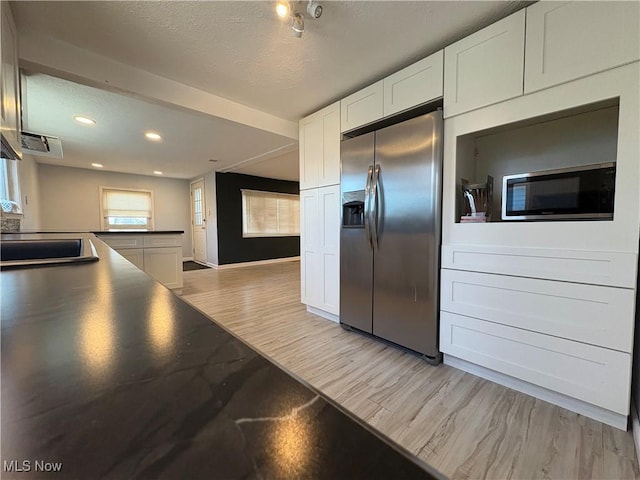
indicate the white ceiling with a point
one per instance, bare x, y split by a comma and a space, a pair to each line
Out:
117, 140
241, 51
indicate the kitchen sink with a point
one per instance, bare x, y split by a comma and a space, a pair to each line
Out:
32, 252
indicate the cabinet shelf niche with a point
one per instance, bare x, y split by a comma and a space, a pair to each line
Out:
580, 136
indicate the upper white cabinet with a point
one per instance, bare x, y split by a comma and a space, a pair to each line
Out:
10, 102
569, 40
414, 85
320, 148
486, 67
364, 106
411, 86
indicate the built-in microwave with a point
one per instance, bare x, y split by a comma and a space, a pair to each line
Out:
577, 193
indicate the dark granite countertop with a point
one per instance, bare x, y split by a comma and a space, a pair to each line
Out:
109, 374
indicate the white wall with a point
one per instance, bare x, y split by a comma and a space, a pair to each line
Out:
30, 193
70, 199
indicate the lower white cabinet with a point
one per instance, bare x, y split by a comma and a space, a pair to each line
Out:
159, 255
134, 255
320, 248
595, 375
165, 265
593, 314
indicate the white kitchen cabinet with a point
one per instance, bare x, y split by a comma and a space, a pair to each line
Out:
592, 374
158, 254
134, 255
320, 248
10, 101
320, 148
165, 265
569, 40
602, 316
363, 107
486, 67
414, 85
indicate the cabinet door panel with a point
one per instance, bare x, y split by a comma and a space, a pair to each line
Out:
592, 374
330, 166
311, 148
414, 85
10, 107
165, 265
362, 107
602, 316
486, 67
329, 204
309, 248
120, 242
569, 40
134, 255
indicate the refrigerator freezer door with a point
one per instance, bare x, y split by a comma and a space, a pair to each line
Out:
356, 257
406, 260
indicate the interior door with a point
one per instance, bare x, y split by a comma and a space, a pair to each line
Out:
198, 222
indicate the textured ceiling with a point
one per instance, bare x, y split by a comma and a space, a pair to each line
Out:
238, 50
241, 51
117, 140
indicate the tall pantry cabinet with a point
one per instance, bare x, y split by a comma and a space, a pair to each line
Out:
320, 211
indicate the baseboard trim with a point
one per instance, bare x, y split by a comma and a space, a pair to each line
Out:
321, 313
212, 265
187, 259
635, 427
578, 406
259, 262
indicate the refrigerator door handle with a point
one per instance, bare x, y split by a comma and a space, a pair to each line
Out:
367, 205
374, 223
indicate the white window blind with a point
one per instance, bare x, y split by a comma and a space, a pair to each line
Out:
127, 208
270, 214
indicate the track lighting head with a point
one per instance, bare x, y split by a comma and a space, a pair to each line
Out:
297, 25
314, 8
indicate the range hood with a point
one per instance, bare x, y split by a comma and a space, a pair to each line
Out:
7, 152
44, 145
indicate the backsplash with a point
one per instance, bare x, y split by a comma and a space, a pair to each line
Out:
10, 223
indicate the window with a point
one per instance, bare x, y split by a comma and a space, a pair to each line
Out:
9, 186
269, 214
126, 209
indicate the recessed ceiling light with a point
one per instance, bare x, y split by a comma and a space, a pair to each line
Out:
153, 136
84, 120
97, 165
283, 8
157, 172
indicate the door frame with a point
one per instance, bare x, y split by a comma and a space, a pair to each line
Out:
204, 218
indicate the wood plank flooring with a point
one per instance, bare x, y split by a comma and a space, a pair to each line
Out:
465, 426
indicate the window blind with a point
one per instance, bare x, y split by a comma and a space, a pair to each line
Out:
127, 208
270, 214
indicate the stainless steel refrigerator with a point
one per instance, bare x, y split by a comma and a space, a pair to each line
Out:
390, 234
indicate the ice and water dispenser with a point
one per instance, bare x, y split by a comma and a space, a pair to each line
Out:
353, 209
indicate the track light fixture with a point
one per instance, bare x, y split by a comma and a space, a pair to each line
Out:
297, 25
284, 10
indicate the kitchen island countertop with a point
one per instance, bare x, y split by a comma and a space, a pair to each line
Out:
106, 373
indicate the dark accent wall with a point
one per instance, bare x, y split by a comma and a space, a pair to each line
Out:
232, 248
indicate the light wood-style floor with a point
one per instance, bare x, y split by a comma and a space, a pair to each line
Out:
466, 427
